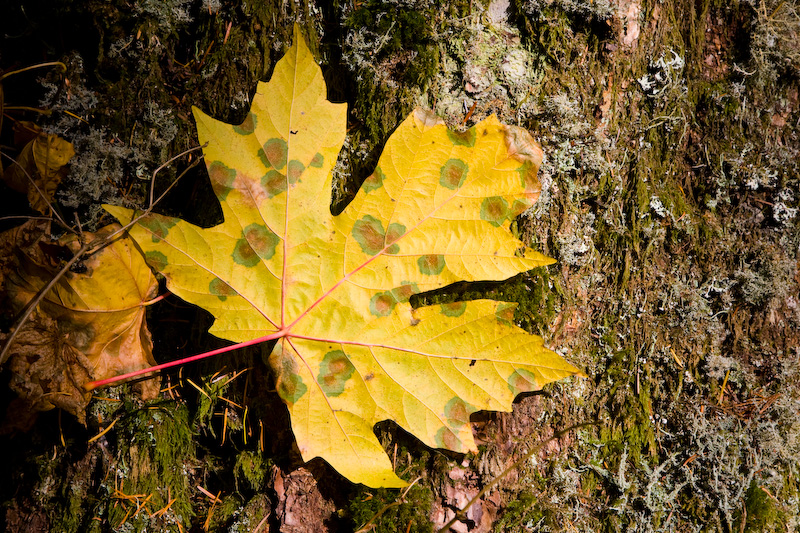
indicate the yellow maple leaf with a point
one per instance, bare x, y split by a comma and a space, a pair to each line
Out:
334, 290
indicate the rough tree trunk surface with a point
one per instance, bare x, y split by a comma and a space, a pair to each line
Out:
670, 201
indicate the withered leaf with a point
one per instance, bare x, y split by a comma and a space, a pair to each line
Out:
89, 326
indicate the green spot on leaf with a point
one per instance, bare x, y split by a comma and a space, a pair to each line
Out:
220, 289
462, 138
528, 177
505, 313
158, 225
273, 154
369, 234
494, 210
294, 171
521, 380
518, 208
222, 178
317, 160
248, 126
257, 243
157, 260
394, 232
382, 304
291, 388
374, 181
274, 183
454, 309
431, 265
453, 174
288, 382
457, 412
405, 291
244, 254
334, 371
445, 438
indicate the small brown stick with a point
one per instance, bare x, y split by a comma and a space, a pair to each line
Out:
111, 425
690, 459
143, 505
762, 487
199, 389
32, 67
203, 60
224, 426
236, 375
234, 404
61, 430
469, 113
26, 217
216, 499
105, 399
208, 493
164, 509
245, 429
722, 390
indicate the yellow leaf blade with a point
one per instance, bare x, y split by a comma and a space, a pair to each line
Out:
403, 367
438, 207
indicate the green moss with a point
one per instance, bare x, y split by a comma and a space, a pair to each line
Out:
404, 31
247, 518
155, 449
394, 68
763, 513
252, 468
520, 514
527, 513
224, 511
386, 510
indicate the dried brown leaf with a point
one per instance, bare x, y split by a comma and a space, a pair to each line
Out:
89, 326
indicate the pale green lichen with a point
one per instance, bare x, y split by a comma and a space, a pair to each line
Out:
591, 9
